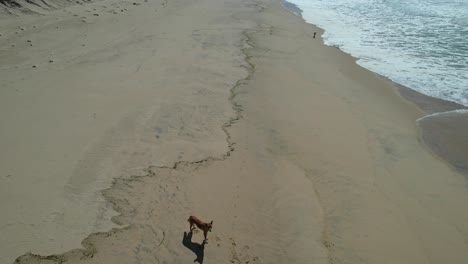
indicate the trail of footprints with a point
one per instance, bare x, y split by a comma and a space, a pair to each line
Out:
243, 256
114, 8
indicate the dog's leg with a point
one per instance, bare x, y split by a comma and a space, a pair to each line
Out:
205, 233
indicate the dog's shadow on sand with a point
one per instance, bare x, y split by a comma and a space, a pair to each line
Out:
198, 249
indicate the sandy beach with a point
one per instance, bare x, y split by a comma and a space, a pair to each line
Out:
120, 119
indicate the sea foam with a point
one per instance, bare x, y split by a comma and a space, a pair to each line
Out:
421, 44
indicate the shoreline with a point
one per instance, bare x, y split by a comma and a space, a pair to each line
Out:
438, 140
315, 165
428, 104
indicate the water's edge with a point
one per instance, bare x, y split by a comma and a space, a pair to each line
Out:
438, 114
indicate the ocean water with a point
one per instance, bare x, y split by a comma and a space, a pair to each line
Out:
422, 44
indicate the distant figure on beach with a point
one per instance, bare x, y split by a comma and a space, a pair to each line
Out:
315, 33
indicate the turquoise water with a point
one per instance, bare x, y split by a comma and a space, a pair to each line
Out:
422, 44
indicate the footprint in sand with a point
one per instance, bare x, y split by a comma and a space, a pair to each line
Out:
241, 257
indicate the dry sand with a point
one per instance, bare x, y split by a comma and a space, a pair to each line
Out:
146, 86
237, 115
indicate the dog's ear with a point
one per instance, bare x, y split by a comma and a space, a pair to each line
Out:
211, 223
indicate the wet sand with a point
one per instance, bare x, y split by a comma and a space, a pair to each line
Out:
313, 159
446, 135
428, 104
443, 129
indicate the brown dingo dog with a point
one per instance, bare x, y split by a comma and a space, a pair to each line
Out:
205, 227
